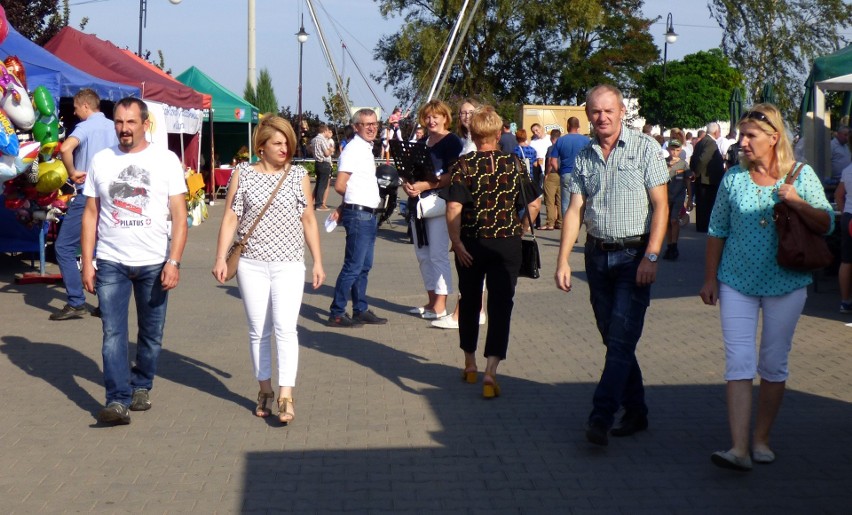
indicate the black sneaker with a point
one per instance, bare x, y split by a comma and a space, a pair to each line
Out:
96, 312
596, 432
115, 413
671, 253
68, 312
141, 401
630, 424
343, 321
368, 317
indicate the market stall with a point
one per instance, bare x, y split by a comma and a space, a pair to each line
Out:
176, 109
27, 208
231, 123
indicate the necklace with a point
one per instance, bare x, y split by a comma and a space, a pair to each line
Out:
763, 220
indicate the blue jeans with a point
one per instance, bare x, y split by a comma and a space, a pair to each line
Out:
66, 247
114, 283
361, 228
619, 306
563, 189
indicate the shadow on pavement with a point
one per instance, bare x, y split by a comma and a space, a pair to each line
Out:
59, 365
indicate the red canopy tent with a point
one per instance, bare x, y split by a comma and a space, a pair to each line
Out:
105, 60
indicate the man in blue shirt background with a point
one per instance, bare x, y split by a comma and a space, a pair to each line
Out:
94, 133
564, 153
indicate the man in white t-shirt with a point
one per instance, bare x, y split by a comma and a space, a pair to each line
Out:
136, 208
356, 183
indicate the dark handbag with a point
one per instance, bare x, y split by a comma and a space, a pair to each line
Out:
232, 259
799, 248
530, 257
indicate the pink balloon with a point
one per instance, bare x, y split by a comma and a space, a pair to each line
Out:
4, 25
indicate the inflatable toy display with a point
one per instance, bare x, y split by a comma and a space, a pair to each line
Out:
14, 99
46, 128
4, 24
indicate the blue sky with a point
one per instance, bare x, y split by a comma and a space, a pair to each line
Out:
212, 35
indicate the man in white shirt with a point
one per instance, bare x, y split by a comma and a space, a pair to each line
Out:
840, 153
724, 142
136, 209
356, 183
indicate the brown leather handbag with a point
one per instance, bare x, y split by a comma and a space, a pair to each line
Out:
799, 248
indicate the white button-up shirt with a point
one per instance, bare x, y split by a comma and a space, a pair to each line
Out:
357, 160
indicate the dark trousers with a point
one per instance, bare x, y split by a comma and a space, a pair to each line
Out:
66, 246
705, 195
496, 262
619, 306
323, 173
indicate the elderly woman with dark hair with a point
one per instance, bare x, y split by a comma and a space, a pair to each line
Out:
743, 275
485, 228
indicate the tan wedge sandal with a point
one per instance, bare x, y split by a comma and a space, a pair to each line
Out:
261, 410
285, 415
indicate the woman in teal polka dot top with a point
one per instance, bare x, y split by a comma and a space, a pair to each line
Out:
742, 273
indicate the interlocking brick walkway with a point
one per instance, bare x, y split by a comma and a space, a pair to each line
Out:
384, 425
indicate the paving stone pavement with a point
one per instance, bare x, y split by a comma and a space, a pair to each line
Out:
384, 425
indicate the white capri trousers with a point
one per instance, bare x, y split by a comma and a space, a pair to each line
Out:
434, 259
739, 314
272, 296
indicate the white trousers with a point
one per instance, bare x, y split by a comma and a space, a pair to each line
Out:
434, 259
272, 296
739, 314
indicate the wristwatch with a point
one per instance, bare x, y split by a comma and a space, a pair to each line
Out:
652, 257
176, 264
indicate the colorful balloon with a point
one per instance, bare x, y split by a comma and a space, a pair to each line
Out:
46, 199
15, 100
4, 24
51, 176
46, 128
16, 68
8, 170
9, 144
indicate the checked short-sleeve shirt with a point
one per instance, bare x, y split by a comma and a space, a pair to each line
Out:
616, 189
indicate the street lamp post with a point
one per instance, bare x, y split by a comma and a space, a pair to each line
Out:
143, 19
302, 37
671, 37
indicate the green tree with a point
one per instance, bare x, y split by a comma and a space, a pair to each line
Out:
775, 41
515, 49
38, 20
336, 109
249, 94
697, 90
265, 95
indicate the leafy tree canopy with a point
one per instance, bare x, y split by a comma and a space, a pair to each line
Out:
335, 107
697, 90
775, 41
38, 20
545, 52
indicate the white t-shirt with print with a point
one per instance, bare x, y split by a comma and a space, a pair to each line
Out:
134, 228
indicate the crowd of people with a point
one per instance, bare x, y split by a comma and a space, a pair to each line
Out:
486, 187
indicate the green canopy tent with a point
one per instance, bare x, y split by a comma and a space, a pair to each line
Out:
831, 72
231, 121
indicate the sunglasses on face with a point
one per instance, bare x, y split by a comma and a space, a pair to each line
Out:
757, 115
